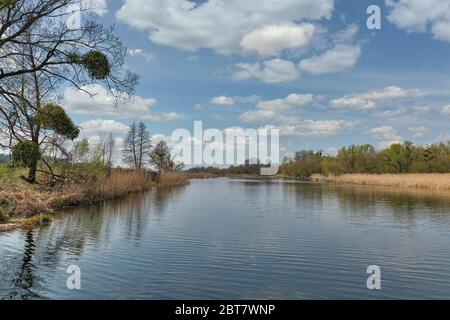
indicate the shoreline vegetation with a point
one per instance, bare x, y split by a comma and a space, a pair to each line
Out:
35, 183
430, 181
26, 205
438, 182
401, 165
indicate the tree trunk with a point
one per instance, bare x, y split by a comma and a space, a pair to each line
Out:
32, 173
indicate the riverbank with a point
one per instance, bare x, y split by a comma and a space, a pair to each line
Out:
20, 201
417, 181
430, 181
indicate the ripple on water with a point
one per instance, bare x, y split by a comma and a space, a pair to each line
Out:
248, 239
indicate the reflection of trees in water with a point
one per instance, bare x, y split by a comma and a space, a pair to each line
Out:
160, 198
366, 201
62, 242
406, 205
98, 223
308, 197
24, 281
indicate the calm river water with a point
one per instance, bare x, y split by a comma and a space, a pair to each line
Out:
233, 239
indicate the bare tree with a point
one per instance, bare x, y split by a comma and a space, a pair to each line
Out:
77, 55
38, 53
137, 148
129, 149
105, 150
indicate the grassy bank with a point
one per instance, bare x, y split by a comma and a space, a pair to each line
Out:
417, 181
20, 201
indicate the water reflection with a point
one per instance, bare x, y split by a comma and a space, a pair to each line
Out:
231, 239
405, 205
30, 258
24, 281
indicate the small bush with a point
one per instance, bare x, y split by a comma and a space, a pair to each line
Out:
26, 153
37, 220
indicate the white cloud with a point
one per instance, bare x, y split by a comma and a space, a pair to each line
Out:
392, 92
422, 109
98, 7
368, 100
102, 104
348, 103
199, 106
446, 110
99, 128
386, 135
392, 113
270, 40
338, 59
141, 53
444, 138
96, 131
418, 132
255, 116
223, 101
216, 24
422, 16
268, 110
296, 127
270, 71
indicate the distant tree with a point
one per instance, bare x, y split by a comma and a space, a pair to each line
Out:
305, 164
161, 158
129, 152
398, 157
144, 145
80, 153
137, 146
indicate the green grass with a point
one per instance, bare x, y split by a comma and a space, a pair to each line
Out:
10, 177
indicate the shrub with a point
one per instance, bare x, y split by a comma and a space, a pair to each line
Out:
26, 153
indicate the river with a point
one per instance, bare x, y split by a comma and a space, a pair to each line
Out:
238, 239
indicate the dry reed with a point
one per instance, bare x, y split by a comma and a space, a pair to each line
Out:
418, 181
172, 179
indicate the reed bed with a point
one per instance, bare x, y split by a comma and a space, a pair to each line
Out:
418, 181
172, 179
29, 200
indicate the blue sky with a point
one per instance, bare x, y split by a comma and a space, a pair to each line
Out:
311, 68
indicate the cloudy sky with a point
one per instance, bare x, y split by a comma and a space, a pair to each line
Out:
311, 68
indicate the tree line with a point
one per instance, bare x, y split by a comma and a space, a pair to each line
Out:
398, 158
39, 54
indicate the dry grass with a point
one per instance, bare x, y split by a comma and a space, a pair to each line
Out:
120, 183
172, 179
418, 181
29, 200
